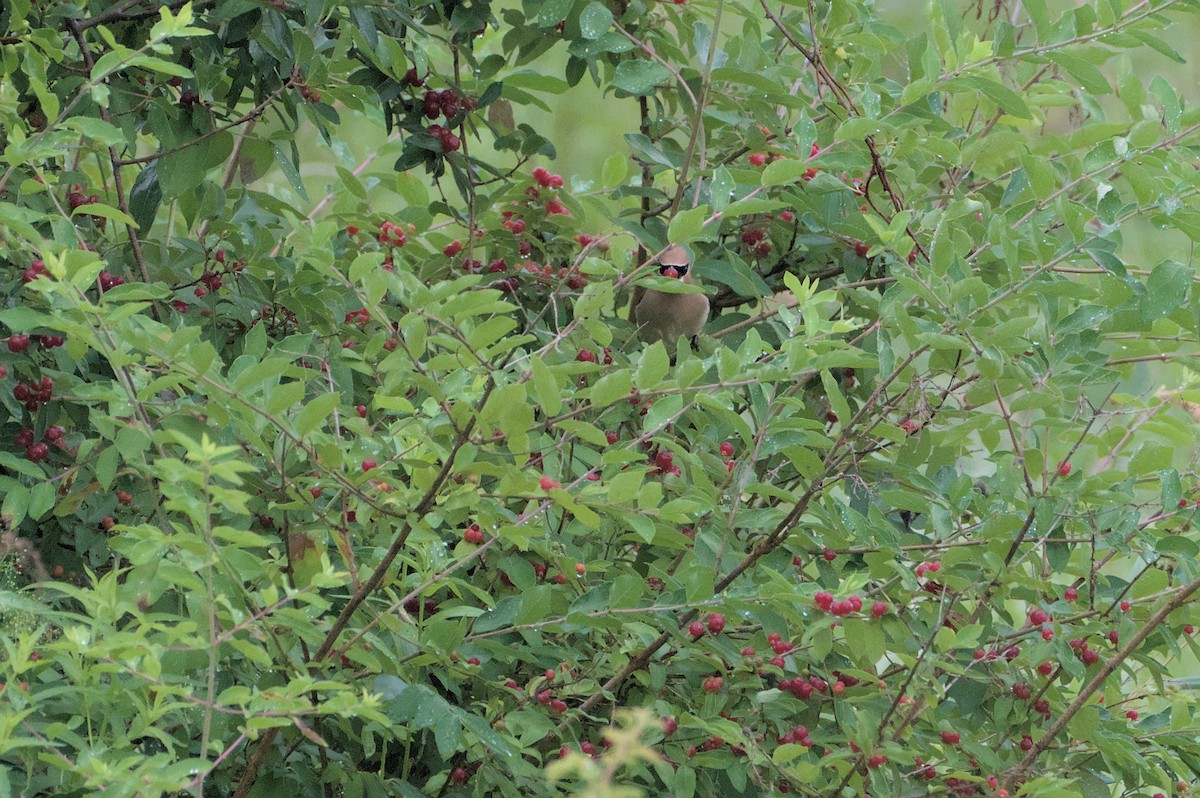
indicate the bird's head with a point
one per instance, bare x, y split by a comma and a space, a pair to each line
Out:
674, 263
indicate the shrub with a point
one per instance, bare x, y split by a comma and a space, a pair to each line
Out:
358, 482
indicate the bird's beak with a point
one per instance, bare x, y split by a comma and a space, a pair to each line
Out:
671, 272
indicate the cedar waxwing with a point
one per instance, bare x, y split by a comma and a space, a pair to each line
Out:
666, 317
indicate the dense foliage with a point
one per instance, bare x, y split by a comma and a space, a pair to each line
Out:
372, 490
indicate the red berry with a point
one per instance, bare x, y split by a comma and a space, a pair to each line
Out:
1038, 617
362, 410
558, 705
1046, 668
1021, 691
368, 464
38, 452
726, 449
1064, 468
757, 158
1132, 714
664, 460
829, 554
696, 629
823, 600
951, 737
459, 775
1070, 594
876, 761
1188, 629
879, 609
586, 356
1026, 742
1090, 656
716, 622
547, 483
18, 343
473, 534
612, 438
786, 216
1125, 605
713, 684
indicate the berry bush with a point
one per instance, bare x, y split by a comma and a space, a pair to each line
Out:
331, 465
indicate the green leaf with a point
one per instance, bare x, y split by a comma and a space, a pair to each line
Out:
545, 387
1170, 488
720, 188
553, 12
1009, 101
595, 20
640, 76
1091, 78
106, 212
654, 365
289, 171
611, 388
145, 197
315, 412
687, 225
1166, 290
783, 171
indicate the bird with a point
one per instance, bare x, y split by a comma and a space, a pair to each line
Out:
665, 317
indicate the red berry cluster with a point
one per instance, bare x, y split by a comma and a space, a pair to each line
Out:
473, 535
546, 179
756, 239
392, 235
36, 450
309, 94
846, 606
107, 280
36, 269
442, 103
210, 282
664, 463
360, 316
446, 137
34, 393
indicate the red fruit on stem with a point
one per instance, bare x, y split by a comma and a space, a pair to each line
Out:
1064, 468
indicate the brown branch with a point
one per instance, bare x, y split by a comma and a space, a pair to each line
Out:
249, 116
121, 13
250, 774
118, 184
1097, 681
